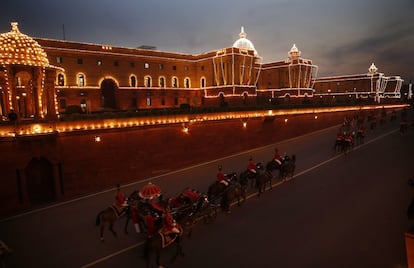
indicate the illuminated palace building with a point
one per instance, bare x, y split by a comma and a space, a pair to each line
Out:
41, 78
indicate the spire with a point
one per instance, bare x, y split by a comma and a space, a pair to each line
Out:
372, 69
294, 52
14, 27
242, 33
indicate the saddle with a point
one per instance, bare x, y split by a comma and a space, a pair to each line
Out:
119, 211
167, 238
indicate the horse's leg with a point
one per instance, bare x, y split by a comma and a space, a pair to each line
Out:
111, 228
158, 257
102, 232
126, 225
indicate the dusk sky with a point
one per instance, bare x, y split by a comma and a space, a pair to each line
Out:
341, 37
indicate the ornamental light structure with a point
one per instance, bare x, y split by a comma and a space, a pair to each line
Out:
26, 77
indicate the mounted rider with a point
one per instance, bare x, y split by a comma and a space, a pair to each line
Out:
221, 177
277, 158
120, 201
251, 167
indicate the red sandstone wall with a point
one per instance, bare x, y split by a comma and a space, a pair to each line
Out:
129, 155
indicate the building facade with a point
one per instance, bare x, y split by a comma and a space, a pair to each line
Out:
41, 78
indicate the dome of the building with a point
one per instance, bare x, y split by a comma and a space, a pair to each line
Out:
244, 43
294, 52
372, 69
18, 48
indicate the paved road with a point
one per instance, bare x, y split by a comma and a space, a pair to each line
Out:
339, 211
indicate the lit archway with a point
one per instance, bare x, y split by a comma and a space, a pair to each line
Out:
108, 88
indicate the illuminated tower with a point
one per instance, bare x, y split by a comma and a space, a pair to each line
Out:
26, 77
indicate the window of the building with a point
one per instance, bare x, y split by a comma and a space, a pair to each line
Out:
60, 79
162, 101
132, 64
175, 82
147, 80
83, 106
203, 82
161, 66
187, 82
162, 81
133, 81
116, 63
81, 80
146, 65
59, 59
80, 61
202, 68
99, 62
175, 100
149, 103
174, 67
185, 68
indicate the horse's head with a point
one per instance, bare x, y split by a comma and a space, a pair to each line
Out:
232, 176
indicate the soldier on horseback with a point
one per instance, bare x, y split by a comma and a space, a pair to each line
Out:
221, 177
277, 158
251, 167
120, 201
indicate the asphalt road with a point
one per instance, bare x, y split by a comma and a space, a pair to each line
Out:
338, 211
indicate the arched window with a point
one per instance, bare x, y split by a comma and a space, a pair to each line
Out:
133, 81
80, 80
161, 81
147, 81
174, 82
60, 79
187, 82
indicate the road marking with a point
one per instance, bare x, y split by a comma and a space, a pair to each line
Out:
254, 194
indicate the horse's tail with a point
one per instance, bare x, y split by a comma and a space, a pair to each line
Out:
98, 218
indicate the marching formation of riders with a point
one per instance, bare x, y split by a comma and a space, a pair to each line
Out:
352, 131
154, 214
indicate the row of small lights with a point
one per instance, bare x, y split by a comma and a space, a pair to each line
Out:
38, 129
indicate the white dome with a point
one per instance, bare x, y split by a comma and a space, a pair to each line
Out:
244, 43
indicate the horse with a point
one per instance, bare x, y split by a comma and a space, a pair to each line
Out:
360, 137
4, 252
262, 179
288, 168
272, 165
111, 214
234, 191
159, 241
247, 175
216, 190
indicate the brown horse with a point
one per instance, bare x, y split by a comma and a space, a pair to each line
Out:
111, 214
4, 252
108, 217
261, 181
235, 191
216, 190
287, 169
155, 244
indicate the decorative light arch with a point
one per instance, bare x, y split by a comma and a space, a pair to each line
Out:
133, 81
108, 77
